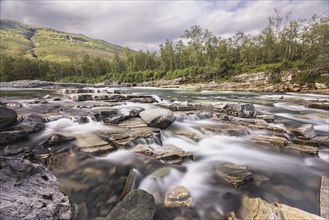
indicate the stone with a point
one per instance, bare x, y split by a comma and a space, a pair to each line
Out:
303, 149
7, 118
30, 191
158, 117
321, 140
178, 196
137, 205
324, 197
57, 139
266, 117
320, 86
143, 150
236, 109
318, 105
173, 155
132, 123
256, 208
31, 123
7, 137
99, 150
129, 137
306, 131
274, 142
234, 174
112, 116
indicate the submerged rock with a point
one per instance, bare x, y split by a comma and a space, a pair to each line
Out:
30, 191
256, 208
7, 117
32, 123
158, 117
234, 174
137, 205
178, 196
305, 131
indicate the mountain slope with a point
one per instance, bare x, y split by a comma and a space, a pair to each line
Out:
19, 39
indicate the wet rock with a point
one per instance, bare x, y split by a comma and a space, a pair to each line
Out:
236, 109
266, 117
56, 99
225, 129
7, 118
321, 140
47, 97
257, 208
57, 139
178, 196
132, 123
234, 174
7, 137
274, 142
303, 149
177, 213
130, 183
112, 116
128, 137
305, 131
137, 205
31, 123
99, 150
158, 117
143, 150
318, 105
30, 191
132, 111
193, 116
324, 197
173, 155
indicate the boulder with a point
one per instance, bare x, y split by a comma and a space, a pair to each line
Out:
178, 196
324, 197
7, 137
234, 174
320, 86
30, 191
7, 117
306, 131
158, 117
256, 208
32, 123
137, 205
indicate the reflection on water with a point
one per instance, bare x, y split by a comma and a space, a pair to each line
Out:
279, 177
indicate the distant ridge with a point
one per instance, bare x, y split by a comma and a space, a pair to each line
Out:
18, 39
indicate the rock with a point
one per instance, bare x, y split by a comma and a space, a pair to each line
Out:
256, 208
137, 205
99, 150
320, 86
303, 149
178, 213
318, 105
112, 116
7, 117
173, 155
30, 191
266, 117
132, 123
56, 139
178, 196
131, 111
275, 142
128, 137
31, 123
143, 150
324, 197
234, 174
236, 109
158, 117
321, 140
7, 137
130, 182
47, 97
306, 131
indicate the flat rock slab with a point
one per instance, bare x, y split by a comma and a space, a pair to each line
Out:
256, 208
324, 197
112, 97
30, 191
234, 174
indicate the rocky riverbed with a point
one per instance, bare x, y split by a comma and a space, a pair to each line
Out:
105, 153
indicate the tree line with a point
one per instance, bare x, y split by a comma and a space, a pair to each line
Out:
198, 54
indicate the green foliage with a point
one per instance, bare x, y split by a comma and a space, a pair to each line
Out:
283, 44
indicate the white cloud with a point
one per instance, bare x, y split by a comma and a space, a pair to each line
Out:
146, 24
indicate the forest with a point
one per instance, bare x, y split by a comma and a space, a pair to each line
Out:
198, 54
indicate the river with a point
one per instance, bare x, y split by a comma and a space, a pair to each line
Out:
281, 177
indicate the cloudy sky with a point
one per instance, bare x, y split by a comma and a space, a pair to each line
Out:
146, 24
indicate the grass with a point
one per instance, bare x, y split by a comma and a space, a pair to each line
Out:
51, 44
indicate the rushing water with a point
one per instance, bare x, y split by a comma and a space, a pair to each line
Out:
279, 177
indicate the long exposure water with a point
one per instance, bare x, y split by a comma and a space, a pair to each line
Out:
278, 176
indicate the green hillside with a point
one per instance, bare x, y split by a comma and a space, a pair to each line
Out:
19, 39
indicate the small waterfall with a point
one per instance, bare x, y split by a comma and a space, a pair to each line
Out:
193, 116
52, 118
148, 141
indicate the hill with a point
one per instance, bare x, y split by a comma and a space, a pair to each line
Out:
25, 40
